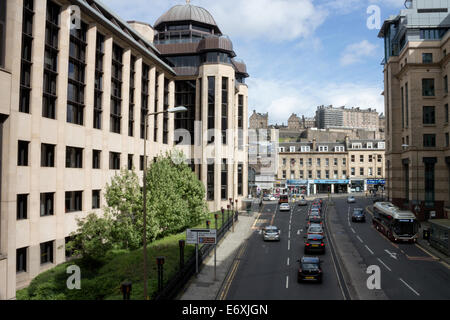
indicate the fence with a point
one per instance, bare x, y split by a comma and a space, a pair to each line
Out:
177, 282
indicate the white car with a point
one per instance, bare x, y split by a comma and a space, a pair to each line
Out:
285, 207
266, 198
351, 199
273, 198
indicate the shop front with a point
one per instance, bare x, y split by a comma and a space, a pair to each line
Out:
357, 185
297, 187
331, 186
375, 185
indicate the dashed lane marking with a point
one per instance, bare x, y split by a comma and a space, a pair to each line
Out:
384, 264
369, 249
360, 240
410, 288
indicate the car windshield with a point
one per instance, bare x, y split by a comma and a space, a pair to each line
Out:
315, 229
309, 266
358, 212
272, 230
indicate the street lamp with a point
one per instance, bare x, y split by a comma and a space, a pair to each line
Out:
144, 186
417, 208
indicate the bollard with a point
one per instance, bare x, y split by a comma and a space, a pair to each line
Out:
160, 263
216, 216
125, 288
223, 218
181, 243
208, 224
228, 216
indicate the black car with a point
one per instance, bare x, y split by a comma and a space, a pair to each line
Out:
310, 270
358, 215
314, 243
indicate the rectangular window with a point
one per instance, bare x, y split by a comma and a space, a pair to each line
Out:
446, 84
361, 171
98, 91
301, 162
116, 89
210, 182
446, 113
114, 161
344, 161
46, 252
2, 31
211, 107
96, 154
47, 155
344, 174
427, 58
310, 175
27, 44
22, 155
428, 115
370, 172
130, 162
47, 204
96, 199
335, 161
144, 98
74, 201
21, 260
429, 183
428, 87
166, 115
318, 162
353, 158
51, 60
74, 157
224, 180
309, 161
141, 163
76, 81
429, 140
406, 105
403, 107
224, 109
284, 174
447, 142
327, 174
352, 172
318, 174
361, 158
240, 121
379, 171
240, 179
22, 206
327, 162
302, 174
370, 158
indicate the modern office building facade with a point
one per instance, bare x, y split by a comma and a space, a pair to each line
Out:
416, 69
335, 167
74, 99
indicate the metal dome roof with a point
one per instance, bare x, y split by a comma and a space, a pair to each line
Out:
187, 12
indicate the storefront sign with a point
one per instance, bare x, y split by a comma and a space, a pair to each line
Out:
296, 182
376, 181
331, 181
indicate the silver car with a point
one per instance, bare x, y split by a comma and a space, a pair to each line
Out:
271, 233
351, 199
285, 207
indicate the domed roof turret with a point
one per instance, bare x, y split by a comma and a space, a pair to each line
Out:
186, 12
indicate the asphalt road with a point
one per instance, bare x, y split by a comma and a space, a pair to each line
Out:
407, 272
268, 270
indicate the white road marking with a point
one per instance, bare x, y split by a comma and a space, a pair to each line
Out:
289, 234
392, 254
384, 264
289, 244
287, 282
353, 230
409, 287
360, 239
288, 261
369, 249
298, 232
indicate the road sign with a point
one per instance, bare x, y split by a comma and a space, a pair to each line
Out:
192, 235
208, 237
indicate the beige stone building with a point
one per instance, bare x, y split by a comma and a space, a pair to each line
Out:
259, 120
336, 167
416, 69
74, 98
355, 118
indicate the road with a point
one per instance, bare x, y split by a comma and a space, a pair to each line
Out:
268, 270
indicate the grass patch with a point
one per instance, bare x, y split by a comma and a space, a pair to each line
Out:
102, 281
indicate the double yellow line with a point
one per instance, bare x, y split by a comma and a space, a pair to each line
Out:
232, 274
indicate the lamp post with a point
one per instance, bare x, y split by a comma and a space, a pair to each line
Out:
416, 208
144, 187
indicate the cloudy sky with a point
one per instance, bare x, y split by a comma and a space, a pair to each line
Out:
299, 53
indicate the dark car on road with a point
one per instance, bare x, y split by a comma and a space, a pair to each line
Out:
358, 215
314, 219
310, 270
314, 243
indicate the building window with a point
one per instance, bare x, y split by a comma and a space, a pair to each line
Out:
305, 149
427, 57
429, 140
76, 84
429, 181
22, 156
130, 162
224, 109
344, 174
96, 154
95, 199
166, 114
47, 155
302, 174
335, 161
406, 179
74, 157
327, 162
361, 171
27, 44
50, 61
46, 252
240, 179
210, 182
323, 148
446, 113
224, 180
310, 175
318, 174
301, 162
74, 201
447, 142
344, 161
379, 171
292, 174
141, 163
352, 172
428, 87
116, 89
21, 260
114, 161
22, 206
309, 161
98, 91
241, 121
428, 115
380, 158
370, 158
335, 174
144, 98
370, 172
318, 162
155, 117
446, 84
361, 158
353, 158
47, 204
284, 174
211, 107
327, 174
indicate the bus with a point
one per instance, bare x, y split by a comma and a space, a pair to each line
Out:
284, 198
396, 224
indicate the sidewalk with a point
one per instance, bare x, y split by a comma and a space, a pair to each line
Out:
203, 287
424, 244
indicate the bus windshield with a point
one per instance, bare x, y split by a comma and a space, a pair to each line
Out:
405, 227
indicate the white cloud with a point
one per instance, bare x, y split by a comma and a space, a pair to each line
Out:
282, 98
390, 3
356, 52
